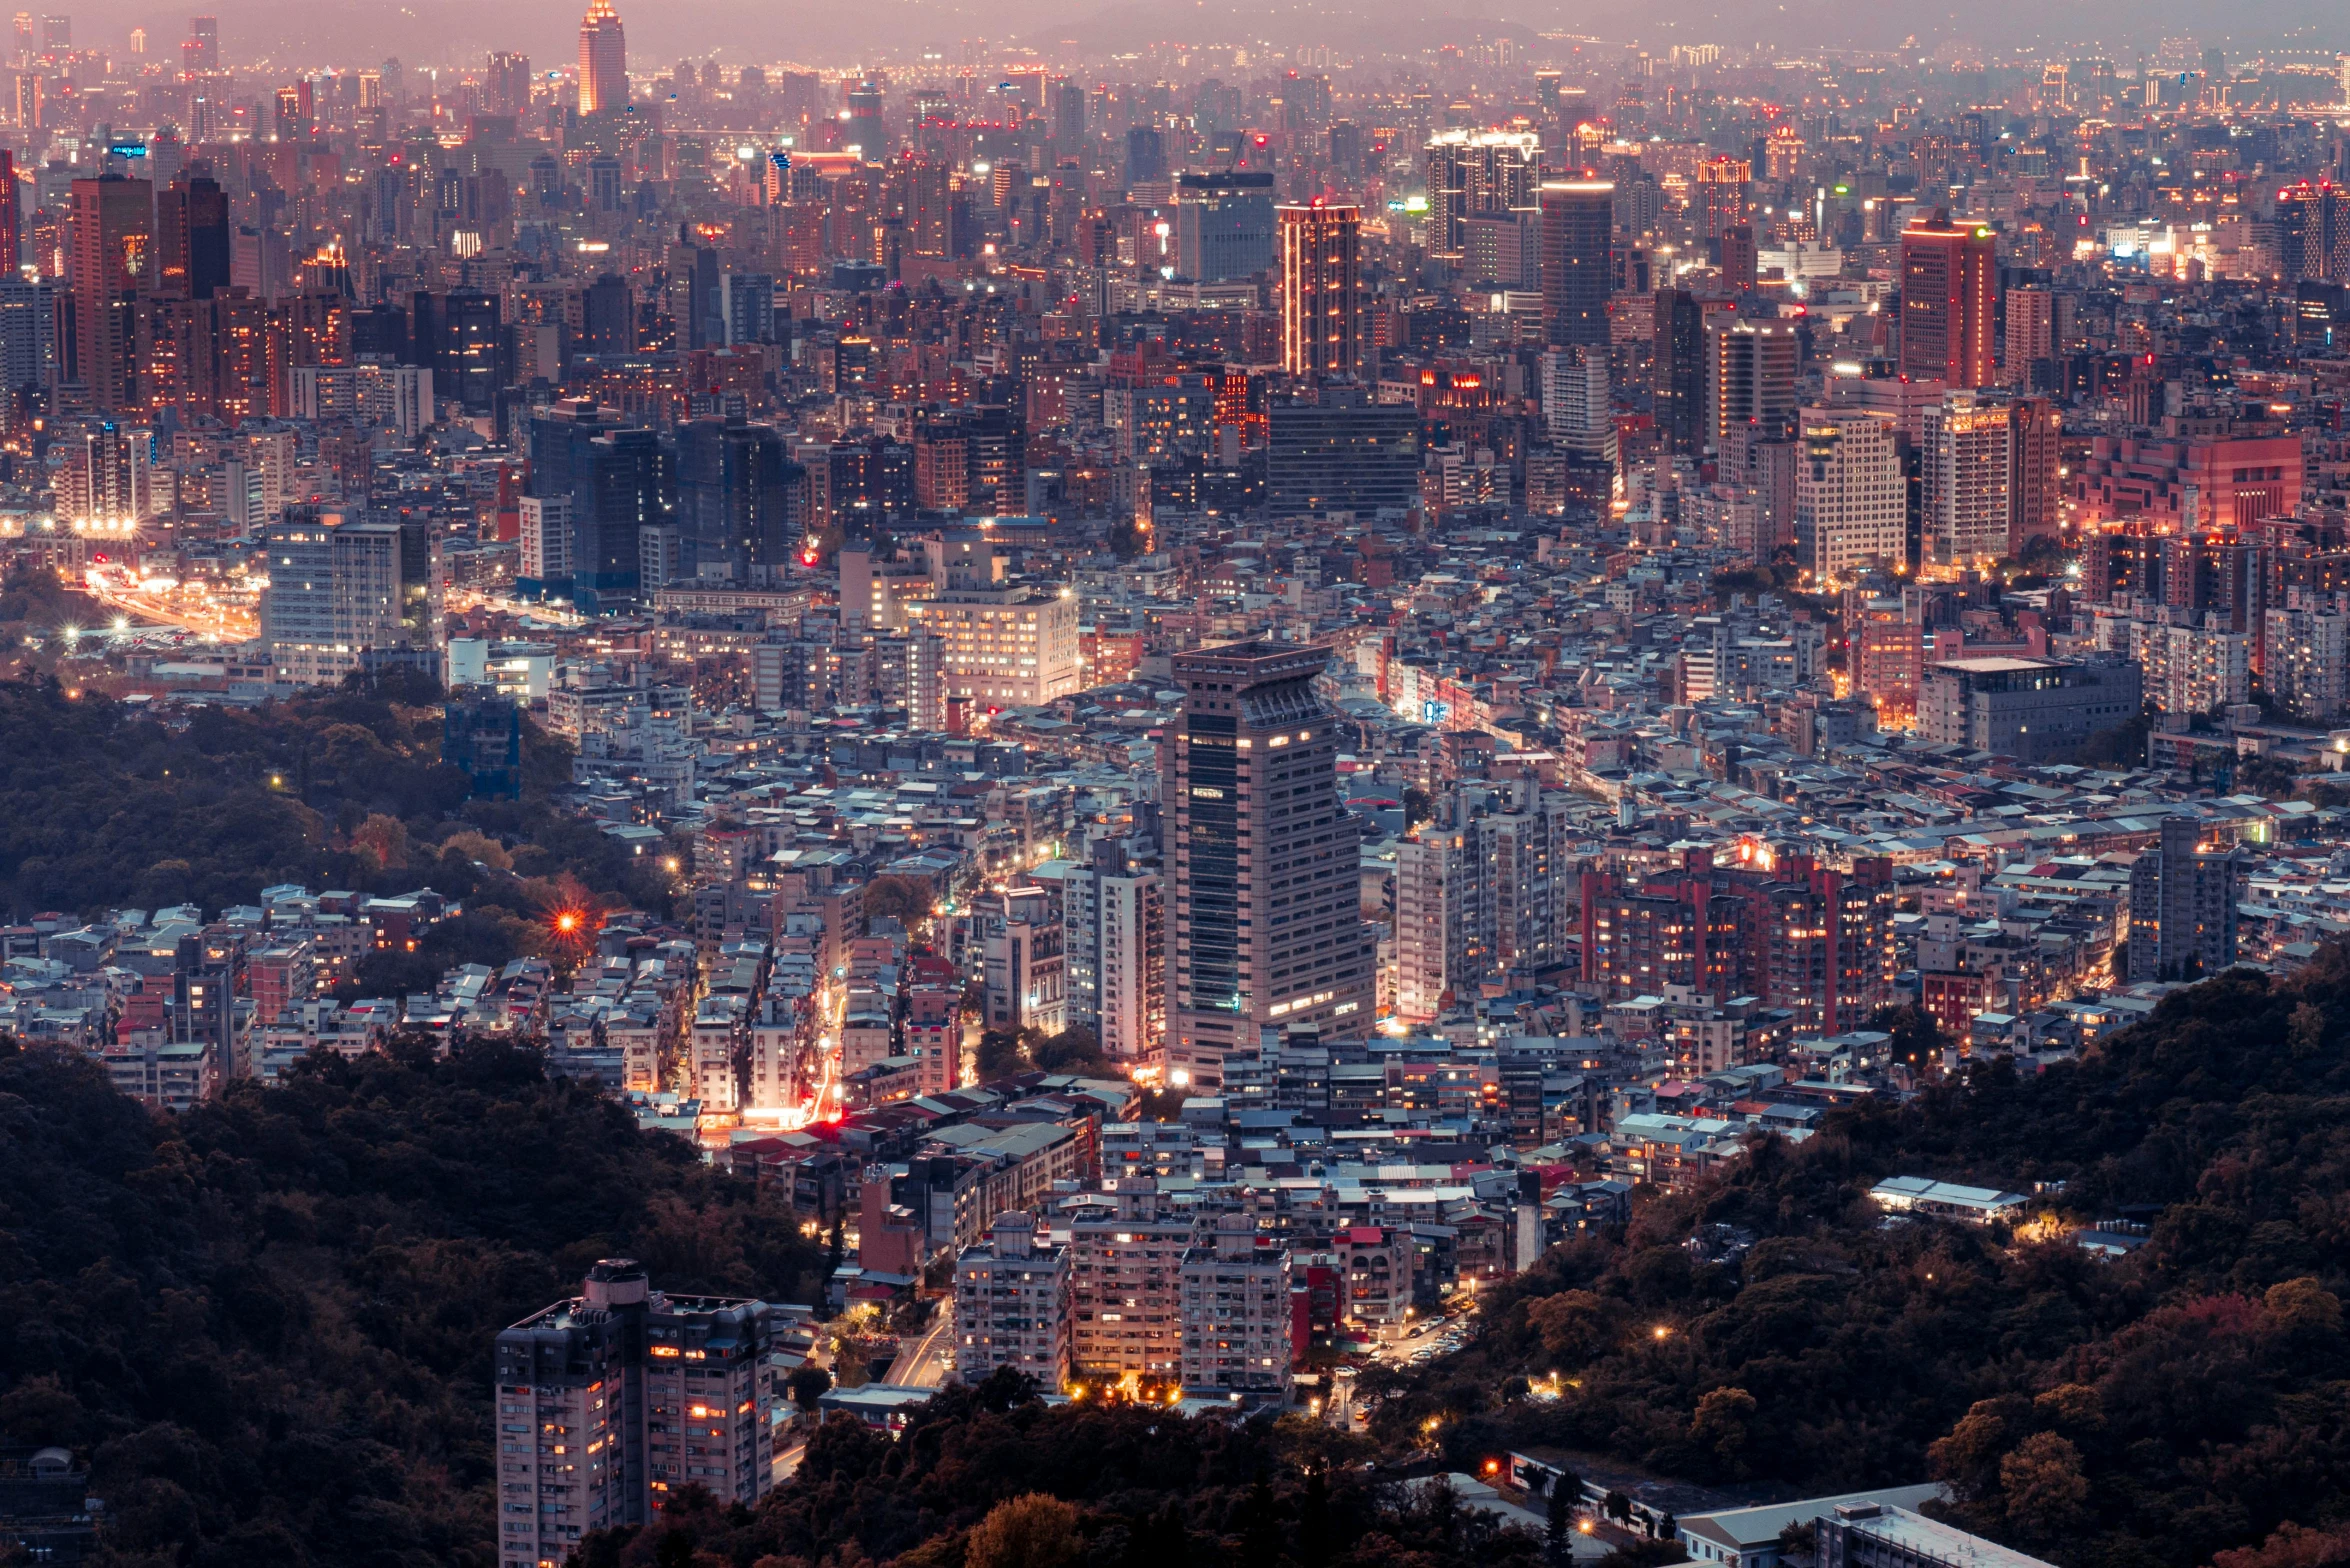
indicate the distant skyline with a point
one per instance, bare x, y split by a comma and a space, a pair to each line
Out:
428, 33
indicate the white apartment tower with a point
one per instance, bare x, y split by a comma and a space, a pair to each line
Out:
1849, 503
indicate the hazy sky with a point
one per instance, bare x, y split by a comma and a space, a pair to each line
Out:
424, 32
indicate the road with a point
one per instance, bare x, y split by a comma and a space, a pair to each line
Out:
926, 1362
224, 622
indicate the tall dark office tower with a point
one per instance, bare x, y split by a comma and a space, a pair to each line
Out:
1321, 289
460, 336
1678, 363
740, 499
607, 316
1949, 300
1578, 231
1146, 155
192, 237
1264, 926
11, 220
624, 482
2313, 232
113, 243
201, 49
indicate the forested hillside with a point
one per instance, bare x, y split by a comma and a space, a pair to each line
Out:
269, 1322
2157, 1410
105, 805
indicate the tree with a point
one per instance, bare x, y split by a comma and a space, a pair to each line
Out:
1031, 1531
2042, 1485
2292, 1546
1565, 1494
1723, 1423
809, 1384
903, 899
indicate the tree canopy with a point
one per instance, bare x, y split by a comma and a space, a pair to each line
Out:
2156, 1409
269, 1322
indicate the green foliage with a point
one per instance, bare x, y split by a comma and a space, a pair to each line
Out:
1004, 1053
2152, 1411
269, 1321
990, 1475
103, 805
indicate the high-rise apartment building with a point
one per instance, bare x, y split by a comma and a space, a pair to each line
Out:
1265, 927
1677, 369
192, 237
611, 1400
2307, 667
1237, 1325
1967, 460
2313, 232
2182, 907
103, 489
2028, 338
505, 83
113, 242
1012, 1305
1484, 888
1115, 948
1578, 405
1578, 236
1126, 1284
1949, 301
603, 60
1439, 883
1473, 173
741, 500
11, 216
333, 595
1321, 289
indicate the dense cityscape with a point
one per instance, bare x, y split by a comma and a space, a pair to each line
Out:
1485, 797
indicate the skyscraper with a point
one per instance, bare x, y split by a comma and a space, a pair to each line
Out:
201, 49
1224, 225
1264, 928
1949, 297
1849, 501
1967, 460
1750, 378
11, 220
740, 499
192, 237
1321, 289
113, 235
1578, 230
1476, 172
603, 60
